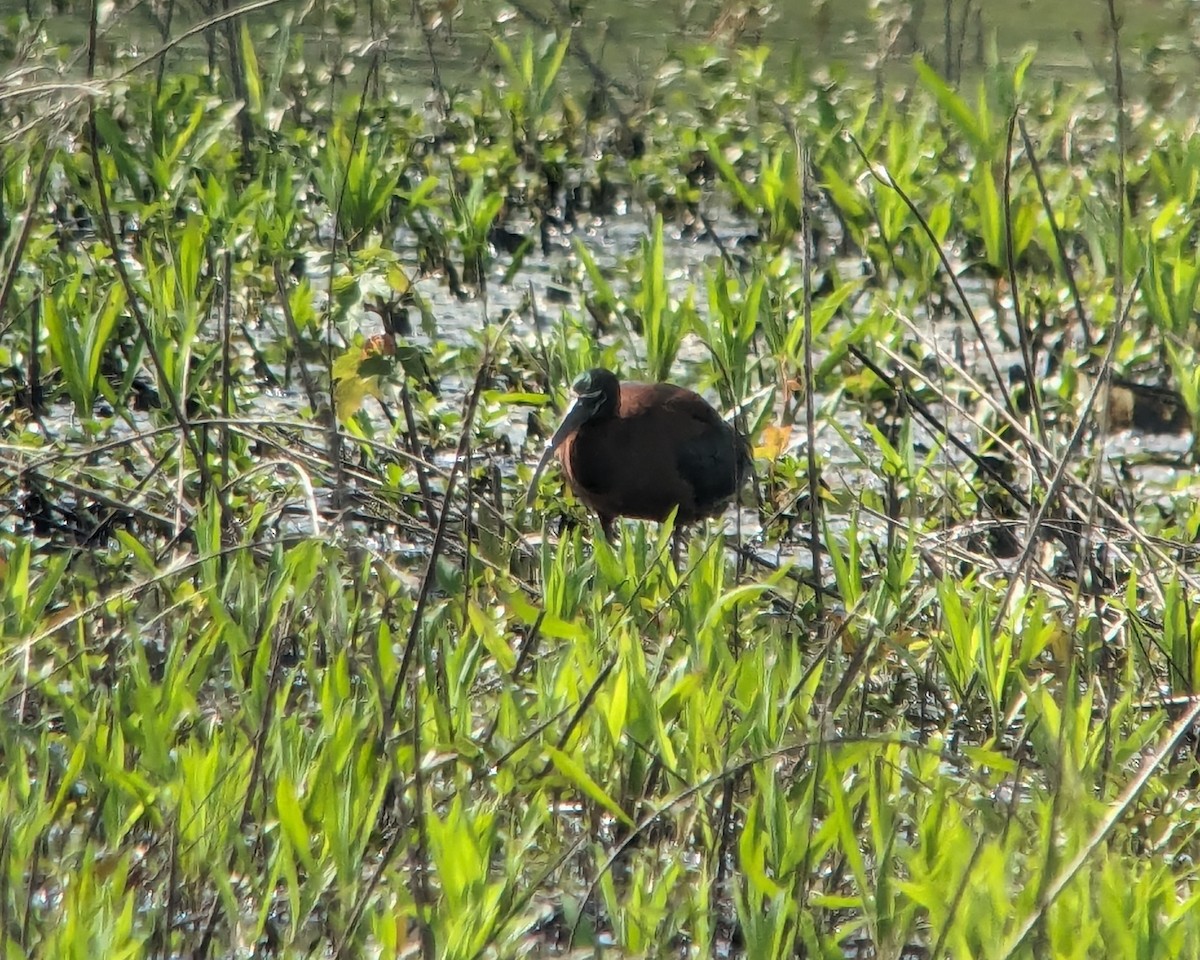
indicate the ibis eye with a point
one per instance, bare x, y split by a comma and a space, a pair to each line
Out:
583, 386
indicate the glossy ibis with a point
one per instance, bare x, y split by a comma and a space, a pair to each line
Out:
643, 449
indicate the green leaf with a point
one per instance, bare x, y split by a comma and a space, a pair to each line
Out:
251, 71
291, 819
953, 104
576, 775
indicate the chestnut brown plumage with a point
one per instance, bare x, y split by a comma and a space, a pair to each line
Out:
642, 450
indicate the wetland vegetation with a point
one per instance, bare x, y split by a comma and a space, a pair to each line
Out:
292, 295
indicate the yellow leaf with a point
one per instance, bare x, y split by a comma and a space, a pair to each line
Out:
350, 393
774, 440
398, 280
346, 365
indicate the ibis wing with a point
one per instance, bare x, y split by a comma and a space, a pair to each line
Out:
713, 459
